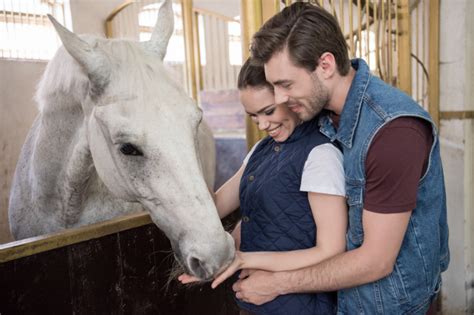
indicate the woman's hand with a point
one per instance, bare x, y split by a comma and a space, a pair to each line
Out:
185, 278
237, 264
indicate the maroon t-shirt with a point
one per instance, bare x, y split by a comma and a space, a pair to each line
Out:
396, 161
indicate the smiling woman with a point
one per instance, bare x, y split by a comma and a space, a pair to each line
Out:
275, 119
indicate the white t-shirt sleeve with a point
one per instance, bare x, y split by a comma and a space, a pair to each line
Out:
323, 171
247, 158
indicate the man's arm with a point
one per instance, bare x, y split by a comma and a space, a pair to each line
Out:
372, 261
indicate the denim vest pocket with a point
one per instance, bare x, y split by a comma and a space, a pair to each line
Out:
398, 285
354, 193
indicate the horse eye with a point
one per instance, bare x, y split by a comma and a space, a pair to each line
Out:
130, 149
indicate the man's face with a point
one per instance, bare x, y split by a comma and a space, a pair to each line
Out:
302, 91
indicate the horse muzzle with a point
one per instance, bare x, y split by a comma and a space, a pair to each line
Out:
205, 262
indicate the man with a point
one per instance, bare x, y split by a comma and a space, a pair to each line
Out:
397, 240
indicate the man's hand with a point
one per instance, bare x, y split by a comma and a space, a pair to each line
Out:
256, 286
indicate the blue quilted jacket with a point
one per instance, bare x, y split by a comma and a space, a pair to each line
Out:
276, 215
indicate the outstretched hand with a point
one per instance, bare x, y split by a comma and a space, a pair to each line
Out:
231, 269
185, 278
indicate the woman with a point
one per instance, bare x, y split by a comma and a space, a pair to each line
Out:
291, 182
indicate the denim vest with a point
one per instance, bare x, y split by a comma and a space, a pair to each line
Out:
276, 215
424, 253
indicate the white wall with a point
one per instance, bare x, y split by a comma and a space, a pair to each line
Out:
88, 16
456, 94
18, 81
17, 87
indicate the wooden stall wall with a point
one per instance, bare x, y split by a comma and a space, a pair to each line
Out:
122, 273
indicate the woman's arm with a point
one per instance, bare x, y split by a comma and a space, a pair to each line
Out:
226, 197
330, 215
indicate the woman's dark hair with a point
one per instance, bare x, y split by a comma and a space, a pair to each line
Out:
307, 31
252, 75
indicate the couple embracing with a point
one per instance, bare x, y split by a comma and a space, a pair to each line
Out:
343, 203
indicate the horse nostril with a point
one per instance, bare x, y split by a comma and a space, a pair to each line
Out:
198, 268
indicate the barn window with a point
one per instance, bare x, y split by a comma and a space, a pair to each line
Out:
25, 31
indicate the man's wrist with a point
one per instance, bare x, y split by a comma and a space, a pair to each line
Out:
281, 280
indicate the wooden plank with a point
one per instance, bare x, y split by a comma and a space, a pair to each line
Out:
36, 284
146, 254
95, 275
34, 245
121, 273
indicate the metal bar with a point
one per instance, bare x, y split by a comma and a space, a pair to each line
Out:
276, 3
219, 16
377, 38
389, 51
433, 83
383, 45
341, 15
397, 44
404, 47
359, 27
110, 17
251, 13
187, 12
367, 31
333, 10
351, 30
423, 52
417, 52
197, 52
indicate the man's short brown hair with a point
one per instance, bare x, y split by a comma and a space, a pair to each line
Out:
307, 31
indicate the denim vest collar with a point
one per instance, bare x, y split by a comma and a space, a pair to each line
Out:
351, 111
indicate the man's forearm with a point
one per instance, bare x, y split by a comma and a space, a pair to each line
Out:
345, 270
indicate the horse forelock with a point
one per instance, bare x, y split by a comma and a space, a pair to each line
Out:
137, 71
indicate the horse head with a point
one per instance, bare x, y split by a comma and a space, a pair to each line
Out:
142, 132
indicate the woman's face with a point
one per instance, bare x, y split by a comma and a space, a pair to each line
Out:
277, 120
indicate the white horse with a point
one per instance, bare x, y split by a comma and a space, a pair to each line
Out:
115, 133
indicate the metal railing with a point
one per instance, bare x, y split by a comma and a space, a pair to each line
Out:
25, 31
215, 48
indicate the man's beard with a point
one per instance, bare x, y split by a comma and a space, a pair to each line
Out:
318, 100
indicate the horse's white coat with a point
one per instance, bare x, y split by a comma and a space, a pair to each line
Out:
94, 98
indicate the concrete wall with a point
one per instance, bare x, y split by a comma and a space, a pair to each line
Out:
456, 94
18, 81
17, 87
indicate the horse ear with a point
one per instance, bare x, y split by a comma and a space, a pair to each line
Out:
163, 30
92, 59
